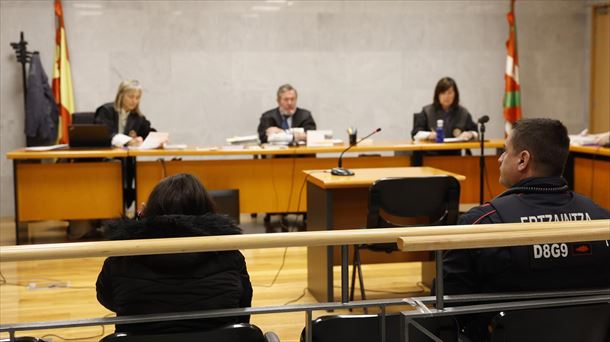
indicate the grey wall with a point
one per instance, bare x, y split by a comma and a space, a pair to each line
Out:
210, 68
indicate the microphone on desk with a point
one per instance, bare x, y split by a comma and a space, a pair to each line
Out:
339, 170
483, 119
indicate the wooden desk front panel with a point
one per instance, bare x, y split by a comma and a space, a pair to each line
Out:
592, 179
469, 167
69, 191
265, 185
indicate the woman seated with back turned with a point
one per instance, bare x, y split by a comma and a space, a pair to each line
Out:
178, 206
457, 122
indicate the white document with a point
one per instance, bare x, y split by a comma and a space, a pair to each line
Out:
46, 148
243, 140
119, 140
316, 138
154, 140
452, 140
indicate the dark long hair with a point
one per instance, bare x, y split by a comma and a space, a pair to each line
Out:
442, 86
181, 194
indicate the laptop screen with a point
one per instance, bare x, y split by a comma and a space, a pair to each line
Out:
89, 135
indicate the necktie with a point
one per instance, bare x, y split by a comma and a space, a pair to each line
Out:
285, 122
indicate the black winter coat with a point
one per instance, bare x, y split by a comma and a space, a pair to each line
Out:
134, 285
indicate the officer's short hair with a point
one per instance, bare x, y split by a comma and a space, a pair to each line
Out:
547, 141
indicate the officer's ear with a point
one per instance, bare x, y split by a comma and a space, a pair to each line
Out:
525, 159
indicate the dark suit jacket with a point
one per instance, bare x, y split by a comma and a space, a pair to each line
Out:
273, 118
107, 115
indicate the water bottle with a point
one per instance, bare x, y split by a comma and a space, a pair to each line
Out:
440, 133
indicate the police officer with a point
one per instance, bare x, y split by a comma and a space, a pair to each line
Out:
531, 167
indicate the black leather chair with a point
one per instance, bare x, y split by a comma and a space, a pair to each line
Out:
427, 200
586, 323
367, 328
242, 332
227, 202
83, 118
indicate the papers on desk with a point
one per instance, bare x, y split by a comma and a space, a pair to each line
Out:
120, 139
582, 140
321, 138
46, 148
174, 146
454, 140
244, 140
153, 140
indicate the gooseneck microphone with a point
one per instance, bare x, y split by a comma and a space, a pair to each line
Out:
339, 170
483, 119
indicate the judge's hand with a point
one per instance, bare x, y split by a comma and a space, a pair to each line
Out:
137, 141
273, 130
300, 136
466, 135
432, 136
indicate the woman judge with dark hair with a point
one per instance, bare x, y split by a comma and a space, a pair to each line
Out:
178, 206
457, 121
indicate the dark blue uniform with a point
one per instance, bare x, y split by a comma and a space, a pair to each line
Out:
531, 268
559, 266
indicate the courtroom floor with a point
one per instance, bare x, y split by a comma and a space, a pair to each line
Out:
278, 275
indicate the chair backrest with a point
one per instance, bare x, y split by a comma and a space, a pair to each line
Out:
586, 323
227, 202
436, 198
83, 118
367, 328
242, 332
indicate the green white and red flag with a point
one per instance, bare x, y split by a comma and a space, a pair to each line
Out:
512, 95
62, 76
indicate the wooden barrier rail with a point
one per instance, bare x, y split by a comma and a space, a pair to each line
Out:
411, 238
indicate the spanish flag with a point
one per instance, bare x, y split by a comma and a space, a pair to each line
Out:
62, 77
512, 95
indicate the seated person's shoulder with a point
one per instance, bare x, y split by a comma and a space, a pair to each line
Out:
479, 215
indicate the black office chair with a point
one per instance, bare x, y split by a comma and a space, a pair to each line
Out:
367, 328
242, 332
585, 323
433, 200
83, 118
227, 202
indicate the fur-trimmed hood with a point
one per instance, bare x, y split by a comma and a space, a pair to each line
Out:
171, 226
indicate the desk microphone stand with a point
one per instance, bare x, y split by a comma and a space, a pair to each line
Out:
482, 163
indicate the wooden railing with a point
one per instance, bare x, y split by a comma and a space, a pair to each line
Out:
410, 239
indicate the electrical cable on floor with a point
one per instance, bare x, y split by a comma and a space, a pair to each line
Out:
3, 281
78, 338
278, 271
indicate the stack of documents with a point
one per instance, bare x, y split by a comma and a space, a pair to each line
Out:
246, 140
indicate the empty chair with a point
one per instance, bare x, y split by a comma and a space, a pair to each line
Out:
227, 202
585, 323
393, 201
241, 332
367, 328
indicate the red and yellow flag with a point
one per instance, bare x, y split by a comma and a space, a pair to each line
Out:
512, 95
62, 77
